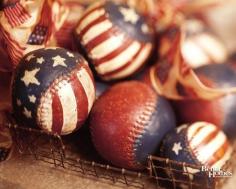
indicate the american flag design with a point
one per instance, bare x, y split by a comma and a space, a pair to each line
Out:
38, 35
16, 14
116, 39
5, 143
54, 89
209, 145
173, 78
43, 29
30, 25
199, 143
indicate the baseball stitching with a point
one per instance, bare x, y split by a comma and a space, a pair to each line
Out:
139, 129
56, 85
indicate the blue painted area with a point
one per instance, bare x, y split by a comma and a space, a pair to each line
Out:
221, 74
161, 122
46, 75
184, 156
133, 30
100, 88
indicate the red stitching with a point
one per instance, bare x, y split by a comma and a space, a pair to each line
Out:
55, 86
138, 130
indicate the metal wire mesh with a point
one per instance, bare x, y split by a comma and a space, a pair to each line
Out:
163, 173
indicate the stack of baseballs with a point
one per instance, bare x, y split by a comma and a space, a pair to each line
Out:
57, 89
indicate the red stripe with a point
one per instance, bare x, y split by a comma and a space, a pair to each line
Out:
81, 99
124, 66
57, 114
10, 17
206, 140
17, 12
101, 38
46, 14
89, 12
12, 42
113, 54
15, 51
196, 132
93, 23
16, 15
218, 154
25, 14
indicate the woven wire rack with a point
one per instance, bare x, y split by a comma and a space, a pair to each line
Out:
160, 172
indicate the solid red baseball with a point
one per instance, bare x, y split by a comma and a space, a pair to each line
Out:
128, 122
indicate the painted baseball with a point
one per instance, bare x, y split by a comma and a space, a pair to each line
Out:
199, 144
128, 122
220, 111
115, 38
54, 89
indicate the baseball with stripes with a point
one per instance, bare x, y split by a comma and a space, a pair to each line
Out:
128, 122
199, 144
115, 38
54, 89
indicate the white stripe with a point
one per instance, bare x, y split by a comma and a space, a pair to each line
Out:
107, 46
219, 164
90, 18
95, 31
44, 112
135, 65
213, 47
88, 86
120, 60
209, 149
193, 54
202, 134
192, 128
69, 106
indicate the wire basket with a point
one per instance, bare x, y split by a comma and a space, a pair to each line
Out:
60, 152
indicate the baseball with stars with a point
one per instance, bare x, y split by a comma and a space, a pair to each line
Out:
53, 89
